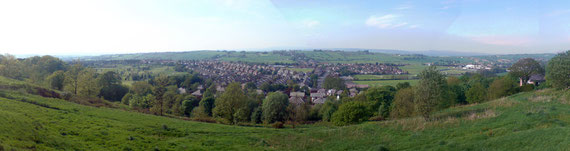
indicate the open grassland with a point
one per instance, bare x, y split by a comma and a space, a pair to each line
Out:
386, 82
380, 77
306, 70
525, 121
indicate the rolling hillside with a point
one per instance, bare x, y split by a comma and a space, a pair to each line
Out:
526, 121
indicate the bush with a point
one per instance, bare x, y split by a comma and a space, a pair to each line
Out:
277, 125
352, 113
558, 70
527, 88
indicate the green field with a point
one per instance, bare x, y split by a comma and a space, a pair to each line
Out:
539, 120
380, 77
386, 82
306, 70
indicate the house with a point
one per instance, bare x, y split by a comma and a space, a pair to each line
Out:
318, 98
182, 90
296, 98
197, 93
535, 79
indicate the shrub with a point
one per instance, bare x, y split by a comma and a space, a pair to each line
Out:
527, 88
558, 70
277, 125
403, 105
352, 113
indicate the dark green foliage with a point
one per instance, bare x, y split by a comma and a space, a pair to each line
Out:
207, 104
275, 107
430, 91
402, 85
113, 92
232, 105
525, 68
334, 83
56, 80
188, 105
527, 88
256, 115
558, 71
476, 94
383, 97
501, 87
250, 85
403, 105
327, 110
352, 113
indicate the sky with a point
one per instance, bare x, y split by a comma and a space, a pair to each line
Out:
91, 27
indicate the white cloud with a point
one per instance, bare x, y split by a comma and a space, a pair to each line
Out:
404, 7
387, 22
311, 23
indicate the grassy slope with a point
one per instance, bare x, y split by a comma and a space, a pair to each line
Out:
526, 121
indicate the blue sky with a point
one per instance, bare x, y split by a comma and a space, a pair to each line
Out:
127, 26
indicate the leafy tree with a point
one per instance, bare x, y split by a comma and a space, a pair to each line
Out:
403, 105
10, 66
231, 104
456, 90
558, 74
141, 88
274, 107
383, 97
56, 80
207, 104
352, 113
525, 68
87, 83
402, 85
72, 78
159, 90
113, 92
327, 110
476, 94
501, 87
188, 104
250, 86
142, 102
256, 115
430, 91
334, 83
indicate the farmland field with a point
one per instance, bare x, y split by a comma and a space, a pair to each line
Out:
386, 82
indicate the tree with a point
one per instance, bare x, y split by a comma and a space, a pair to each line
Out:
382, 96
525, 68
352, 113
56, 80
141, 88
558, 74
430, 91
402, 85
159, 90
10, 66
231, 104
87, 83
111, 88
334, 83
207, 104
72, 78
501, 87
403, 105
188, 104
327, 110
476, 94
274, 107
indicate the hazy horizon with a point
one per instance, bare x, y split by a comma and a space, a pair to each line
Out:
78, 27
